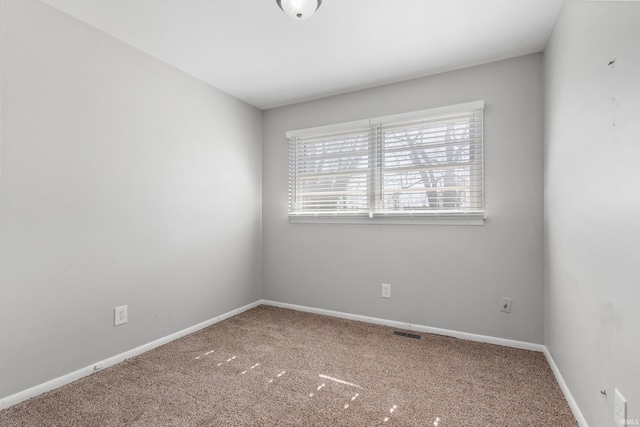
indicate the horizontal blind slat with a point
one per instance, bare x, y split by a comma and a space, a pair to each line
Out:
428, 164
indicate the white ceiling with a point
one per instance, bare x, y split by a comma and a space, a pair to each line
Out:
252, 50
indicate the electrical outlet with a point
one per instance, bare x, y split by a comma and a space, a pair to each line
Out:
505, 305
120, 315
620, 409
386, 290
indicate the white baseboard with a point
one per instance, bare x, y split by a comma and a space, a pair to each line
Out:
457, 334
565, 389
409, 326
76, 375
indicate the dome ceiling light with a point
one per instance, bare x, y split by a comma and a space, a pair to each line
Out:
299, 9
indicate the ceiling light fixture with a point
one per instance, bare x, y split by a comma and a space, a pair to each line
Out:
299, 9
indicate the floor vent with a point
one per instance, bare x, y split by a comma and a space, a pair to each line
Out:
408, 335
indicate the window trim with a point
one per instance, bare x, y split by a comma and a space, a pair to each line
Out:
400, 217
405, 219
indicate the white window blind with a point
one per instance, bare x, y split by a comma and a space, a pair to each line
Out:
427, 163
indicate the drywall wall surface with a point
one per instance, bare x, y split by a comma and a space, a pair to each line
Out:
592, 204
449, 277
123, 182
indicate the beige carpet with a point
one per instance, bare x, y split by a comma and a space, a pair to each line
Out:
277, 367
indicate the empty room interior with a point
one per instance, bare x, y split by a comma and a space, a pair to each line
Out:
267, 212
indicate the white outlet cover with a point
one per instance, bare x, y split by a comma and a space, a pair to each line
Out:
120, 315
386, 290
620, 409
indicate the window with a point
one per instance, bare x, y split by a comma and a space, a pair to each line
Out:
424, 165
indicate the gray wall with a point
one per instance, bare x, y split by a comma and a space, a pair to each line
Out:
592, 204
114, 189
442, 276
114, 169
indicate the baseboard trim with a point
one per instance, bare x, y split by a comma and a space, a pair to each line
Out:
80, 373
457, 334
412, 327
83, 372
582, 422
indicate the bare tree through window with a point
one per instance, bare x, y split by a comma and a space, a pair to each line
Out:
427, 167
422, 165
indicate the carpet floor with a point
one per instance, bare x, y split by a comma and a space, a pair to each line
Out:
277, 367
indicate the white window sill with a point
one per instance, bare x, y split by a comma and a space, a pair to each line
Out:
476, 219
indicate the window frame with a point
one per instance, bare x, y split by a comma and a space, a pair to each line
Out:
374, 215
